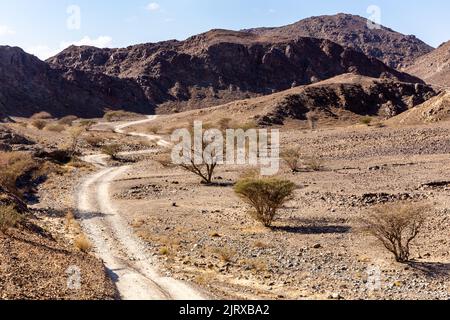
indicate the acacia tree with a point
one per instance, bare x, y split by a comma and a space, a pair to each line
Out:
265, 195
397, 226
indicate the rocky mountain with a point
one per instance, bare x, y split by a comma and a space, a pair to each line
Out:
393, 48
222, 66
344, 99
28, 86
434, 67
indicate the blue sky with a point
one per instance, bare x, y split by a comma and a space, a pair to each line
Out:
44, 27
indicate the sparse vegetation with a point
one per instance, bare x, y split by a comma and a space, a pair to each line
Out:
366, 120
9, 217
313, 119
75, 134
94, 141
87, 124
154, 129
225, 254
313, 163
82, 243
292, 158
39, 124
119, 115
396, 226
265, 195
15, 166
112, 150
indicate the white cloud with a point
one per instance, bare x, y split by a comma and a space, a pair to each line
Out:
100, 42
6, 31
44, 52
153, 6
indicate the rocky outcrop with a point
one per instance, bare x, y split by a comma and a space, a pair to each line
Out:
434, 68
28, 86
222, 66
393, 48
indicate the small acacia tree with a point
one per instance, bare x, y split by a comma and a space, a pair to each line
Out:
265, 195
292, 158
396, 227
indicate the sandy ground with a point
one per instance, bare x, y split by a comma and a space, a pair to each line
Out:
318, 249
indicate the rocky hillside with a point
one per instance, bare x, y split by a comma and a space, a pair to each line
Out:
222, 66
344, 99
28, 85
393, 48
434, 67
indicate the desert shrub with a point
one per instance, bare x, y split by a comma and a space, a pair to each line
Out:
225, 254
82, 243
58, 128
41, 116
292, 158
313, 163
9, 217
119, 115
75, 135
87, 124
265, 195
112, 150
39, 124
366, 120
313, 119
396, 226
246, 126
94, 141
153, 129
68, 120
224, 123
13, 167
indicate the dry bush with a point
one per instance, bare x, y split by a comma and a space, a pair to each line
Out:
164, 251
313, 119
42, 116
256, 264
70, 218
112, 150
225, 254
313, 163
68, 120
153, 129
261, 245
9, 217
224, 123
246, 126
75, 135
119, 115
82, 243
13, 167
87, 124
292, 158
396, 226
94, 141
265, 195
250, 173
366, 120
58, 128
39, 124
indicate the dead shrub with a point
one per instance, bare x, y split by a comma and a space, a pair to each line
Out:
292, 158
39, 124
82, 243
13, 167
9, 217
154, 129
225, 254
112, 150
396, 226
313, 163
94, 141
265, 195
313, 119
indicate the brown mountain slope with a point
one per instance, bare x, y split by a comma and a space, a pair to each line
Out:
28, 85
434, 67
393, 48
343, 99
222, 66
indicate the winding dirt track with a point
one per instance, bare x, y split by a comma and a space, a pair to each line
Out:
125, 256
